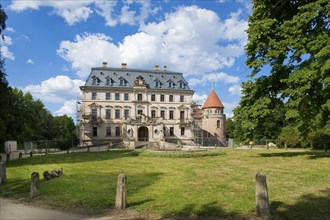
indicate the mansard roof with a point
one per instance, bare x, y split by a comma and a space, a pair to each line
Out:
130, 75
212, 101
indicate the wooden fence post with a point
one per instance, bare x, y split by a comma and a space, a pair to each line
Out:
3, 176
262, 201
35, 185
121, 194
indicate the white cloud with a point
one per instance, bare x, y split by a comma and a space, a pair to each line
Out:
186, 41
68, 108
30, 61
235, 90
88, 50
229, 107
6, 53
10, 29
56, 89
213, 78
127, 16
77, 11
72, 11
199, 99
106, 9
7, 41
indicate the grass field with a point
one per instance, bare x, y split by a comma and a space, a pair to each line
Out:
220, 185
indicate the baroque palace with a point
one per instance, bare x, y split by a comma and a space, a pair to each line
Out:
136, 106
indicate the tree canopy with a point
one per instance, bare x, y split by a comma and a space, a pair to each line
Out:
291, 39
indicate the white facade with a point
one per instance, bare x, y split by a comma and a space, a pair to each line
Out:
133, 106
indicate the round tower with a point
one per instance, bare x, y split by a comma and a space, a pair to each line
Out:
214, 121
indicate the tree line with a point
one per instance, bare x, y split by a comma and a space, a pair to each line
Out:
22, 118
287, 95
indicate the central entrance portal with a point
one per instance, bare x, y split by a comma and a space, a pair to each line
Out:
143, 134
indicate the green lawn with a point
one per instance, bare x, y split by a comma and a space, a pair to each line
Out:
222, 185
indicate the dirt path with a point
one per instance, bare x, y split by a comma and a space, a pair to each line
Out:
9, 209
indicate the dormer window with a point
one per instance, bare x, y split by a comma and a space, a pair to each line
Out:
158, 84
181, 85
96, 80
122, 81
170, 84
109, 81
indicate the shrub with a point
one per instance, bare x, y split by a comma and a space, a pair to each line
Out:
290, 137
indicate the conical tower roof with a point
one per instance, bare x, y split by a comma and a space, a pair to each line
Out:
212, 101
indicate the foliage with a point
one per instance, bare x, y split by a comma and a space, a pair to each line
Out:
289, 137
291, 39
5, 90
230, 127
192, 188
176, 154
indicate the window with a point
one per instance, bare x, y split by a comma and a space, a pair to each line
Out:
181, 115
93, 95
117, 113
94, 131
107, 113
171, 131
171, 114
170, 85
171, 98
117, 131
140, 112
181, 98
162, 98
117, 96
218, 123
158, 84
139, 97
107, 96
94, 81
108, 131
181, 85
162, 114
109, 81
182, 131
126, 96
153, 113
126, 113
153, 97
122, 82
94, 114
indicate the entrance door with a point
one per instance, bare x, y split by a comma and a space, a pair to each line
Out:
143, 134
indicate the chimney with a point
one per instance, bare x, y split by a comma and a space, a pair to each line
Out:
156, 67
123, 65
165, 68
105, 65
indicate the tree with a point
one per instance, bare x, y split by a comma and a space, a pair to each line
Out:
292, 39
5, 90
66, 131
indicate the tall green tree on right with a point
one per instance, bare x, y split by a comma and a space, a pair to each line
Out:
291, 40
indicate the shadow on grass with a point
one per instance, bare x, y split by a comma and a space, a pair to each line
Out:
310, 154
71, 158
15, 188
210, 210
308, 206
95, 197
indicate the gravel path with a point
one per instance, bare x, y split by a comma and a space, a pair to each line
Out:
9, 209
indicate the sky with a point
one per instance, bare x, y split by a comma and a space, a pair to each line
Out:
51, 46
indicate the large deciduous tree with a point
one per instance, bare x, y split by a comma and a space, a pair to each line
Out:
290, 40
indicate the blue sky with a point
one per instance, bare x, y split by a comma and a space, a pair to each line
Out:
50, 46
